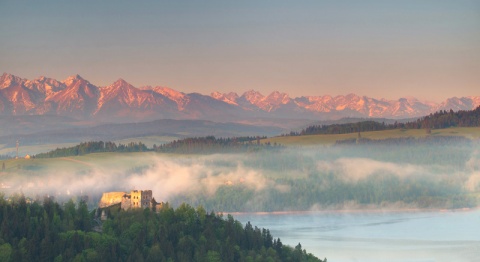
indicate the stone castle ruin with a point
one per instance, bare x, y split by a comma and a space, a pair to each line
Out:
134, 199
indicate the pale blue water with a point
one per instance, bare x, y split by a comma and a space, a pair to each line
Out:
378, 236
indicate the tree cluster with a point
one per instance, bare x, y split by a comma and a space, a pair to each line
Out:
194, 145
211, 144
437, 120
94, 147
406, 141
51, 232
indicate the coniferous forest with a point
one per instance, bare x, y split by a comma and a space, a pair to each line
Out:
439, 119
48, 231
194, 145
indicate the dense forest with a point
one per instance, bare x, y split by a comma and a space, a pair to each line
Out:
406, 141
48, 231
210, 144
440, 119
194, 145
94, 147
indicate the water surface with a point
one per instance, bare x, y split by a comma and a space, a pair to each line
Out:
378, 236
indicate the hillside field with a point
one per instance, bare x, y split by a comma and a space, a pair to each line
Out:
307, 140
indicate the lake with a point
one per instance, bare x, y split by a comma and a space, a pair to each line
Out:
377, 235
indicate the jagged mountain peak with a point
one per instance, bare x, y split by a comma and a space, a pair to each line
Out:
180, 98
168, 92
73, 79
253, 96
121, 81
77, 97
277, 95
45, 85
41, 79
230, 98
8, 80
252, 92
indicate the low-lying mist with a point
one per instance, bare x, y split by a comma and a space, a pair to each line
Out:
306, 178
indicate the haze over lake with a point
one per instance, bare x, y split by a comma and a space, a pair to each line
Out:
408, 236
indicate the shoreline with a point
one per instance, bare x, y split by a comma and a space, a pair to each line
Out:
352, 211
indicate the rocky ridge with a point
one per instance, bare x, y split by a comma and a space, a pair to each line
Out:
122, 102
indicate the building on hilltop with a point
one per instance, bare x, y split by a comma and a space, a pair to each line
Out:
136, 199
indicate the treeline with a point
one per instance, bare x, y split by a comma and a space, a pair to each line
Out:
49, 231
211, 144
332, 190
439, 119
94, 147
195, 145
403, 141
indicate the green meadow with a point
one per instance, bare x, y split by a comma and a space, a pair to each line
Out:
468, 132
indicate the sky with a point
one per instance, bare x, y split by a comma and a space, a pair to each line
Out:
428, 49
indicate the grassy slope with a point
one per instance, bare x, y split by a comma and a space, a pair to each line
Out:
469, 132
35, 149
102, 161
128, 160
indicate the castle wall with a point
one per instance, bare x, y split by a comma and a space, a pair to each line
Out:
136, 198
146, 198
126, 202
110, 198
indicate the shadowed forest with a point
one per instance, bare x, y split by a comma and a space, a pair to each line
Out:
47, 231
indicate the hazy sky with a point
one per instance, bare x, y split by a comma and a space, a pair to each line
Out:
427, 49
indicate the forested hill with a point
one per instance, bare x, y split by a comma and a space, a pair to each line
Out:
440, 119
50, 232
194, 145
94, 147
210, 144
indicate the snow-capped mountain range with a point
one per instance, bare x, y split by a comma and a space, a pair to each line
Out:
122, 102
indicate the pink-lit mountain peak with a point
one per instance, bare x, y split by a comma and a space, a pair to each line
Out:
75, 80
8, 80
278, 98
253, 96
120, 84
77, 97
229, 98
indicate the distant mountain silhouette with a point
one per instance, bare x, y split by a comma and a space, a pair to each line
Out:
121, 102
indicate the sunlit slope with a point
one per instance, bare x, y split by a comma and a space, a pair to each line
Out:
104, 161
35, 149
468, 132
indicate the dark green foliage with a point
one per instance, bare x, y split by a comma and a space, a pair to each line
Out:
406, 141
344, 128
196, 145
94, 147
211, 144
440, 119
50, 232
